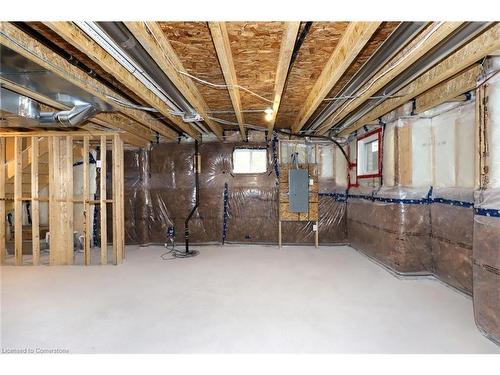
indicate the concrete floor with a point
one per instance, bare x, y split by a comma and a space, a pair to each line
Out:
235, 299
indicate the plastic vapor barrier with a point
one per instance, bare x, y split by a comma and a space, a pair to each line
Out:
393, 227
486, 269
452, 228
241, 208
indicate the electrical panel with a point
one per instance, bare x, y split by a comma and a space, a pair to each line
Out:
298, 185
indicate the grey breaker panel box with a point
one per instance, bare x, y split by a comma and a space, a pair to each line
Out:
298, 190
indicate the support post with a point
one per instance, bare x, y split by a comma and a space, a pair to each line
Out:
104, 217
18, 203
3, 250
35, 203
118, 219
86, 205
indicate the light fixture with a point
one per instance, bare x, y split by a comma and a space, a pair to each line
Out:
269, 114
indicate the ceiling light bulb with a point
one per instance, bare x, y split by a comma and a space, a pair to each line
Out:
269, 116
268, 111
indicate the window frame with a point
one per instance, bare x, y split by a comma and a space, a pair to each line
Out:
248, 148
378, 138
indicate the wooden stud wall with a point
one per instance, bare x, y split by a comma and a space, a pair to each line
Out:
62, 147
3, 249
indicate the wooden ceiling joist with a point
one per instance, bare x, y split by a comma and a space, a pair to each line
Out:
455, 86
434, 34
76, 37
474, 51
152, 38
112, 121
20, 42
353, 40
223, 48
290, 32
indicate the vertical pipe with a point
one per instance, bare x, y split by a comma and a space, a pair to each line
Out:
196, 161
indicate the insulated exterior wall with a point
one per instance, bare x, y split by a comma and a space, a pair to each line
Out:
159, 192
486, 269
394, 234
486, 252
452, 237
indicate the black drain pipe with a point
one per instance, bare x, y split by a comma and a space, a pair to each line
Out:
196, 165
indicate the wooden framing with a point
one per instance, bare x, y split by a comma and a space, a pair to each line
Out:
118, 202
35, 203
353, 40
152, 38
455, 86
3, 248
76, 37
61, 198
113, 121
223, 48
18, 203
481, 46
427, 40
102, 195
22, 43
283, 210
290, 32
86, 206
404, 163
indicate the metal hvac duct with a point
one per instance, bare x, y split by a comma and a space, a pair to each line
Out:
135, 52
396, 41
20, 111
461, 36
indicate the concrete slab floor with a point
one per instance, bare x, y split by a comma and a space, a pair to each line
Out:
234, 299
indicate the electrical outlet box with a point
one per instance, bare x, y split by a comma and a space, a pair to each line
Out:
298, 190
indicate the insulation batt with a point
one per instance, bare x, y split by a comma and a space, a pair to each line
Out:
159, 192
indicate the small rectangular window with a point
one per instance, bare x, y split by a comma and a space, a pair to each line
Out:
368, 163
250, 160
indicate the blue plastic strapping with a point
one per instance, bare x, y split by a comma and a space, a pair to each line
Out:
226, 213
275, 155
96, 240
490, 212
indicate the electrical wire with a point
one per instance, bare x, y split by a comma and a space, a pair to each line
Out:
388, 70
174, 253
214, 85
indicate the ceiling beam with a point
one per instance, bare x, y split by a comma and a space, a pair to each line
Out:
152, 38
354, 38
416, 49
290, 31
77, 37
474, 51
459, 84
109, 120
30, 48
222, 45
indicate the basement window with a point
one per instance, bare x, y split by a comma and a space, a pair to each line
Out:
249, 160
369, 156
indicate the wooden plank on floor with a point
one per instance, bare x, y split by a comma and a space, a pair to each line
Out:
3, 249
35, 203
86, 206
18, 204
104, 228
